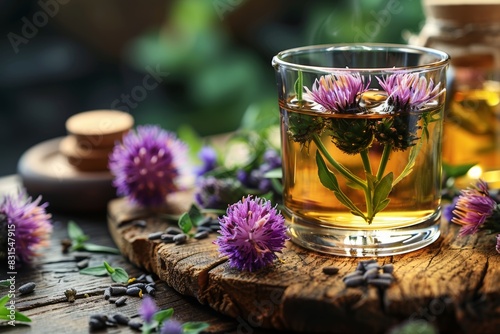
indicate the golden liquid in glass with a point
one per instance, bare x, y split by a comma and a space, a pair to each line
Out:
413, 200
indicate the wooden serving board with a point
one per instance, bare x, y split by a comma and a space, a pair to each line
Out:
454, 283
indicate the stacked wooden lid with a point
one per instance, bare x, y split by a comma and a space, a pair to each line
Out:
92, 136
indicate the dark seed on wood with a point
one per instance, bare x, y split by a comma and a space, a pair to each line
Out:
201, 235
121, 301
100, 317
380, 282
330, 270
139, 223
354, 281
96, 324
83, 264
205, 222
111, 323
215, 227
370, 273
120, 318
180, 239
372, 265
141, 278
112, 300
153, 284
137, 285
155, 235
203, 228
354, 273
117, 290
388, 268
134, 291
107, 293
150, 290
149, 279
167, 238
27, 288
386, 276
135, 325
173, 230
79, 256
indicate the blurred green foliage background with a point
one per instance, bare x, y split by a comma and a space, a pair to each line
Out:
197, 62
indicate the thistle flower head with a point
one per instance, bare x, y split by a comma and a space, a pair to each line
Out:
408, 91
208, 158
473, 208
147, 309
171, 327
31, 223
148, 165
252, 232
337, 93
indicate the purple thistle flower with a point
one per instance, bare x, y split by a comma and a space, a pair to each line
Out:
148, 165
498, 243
171, 327
409, 91
255, 179
208, 157
251, 233
448, 209
31, 222
474, 207
337, 93
147, 309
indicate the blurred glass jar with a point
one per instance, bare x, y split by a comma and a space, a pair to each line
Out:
469, 31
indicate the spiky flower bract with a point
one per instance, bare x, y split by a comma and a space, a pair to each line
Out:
475, 208
30, 222
148, 165
252, 232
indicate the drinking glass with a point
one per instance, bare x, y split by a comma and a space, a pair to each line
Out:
361, 130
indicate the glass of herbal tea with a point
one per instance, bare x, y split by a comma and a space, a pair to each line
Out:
361, 130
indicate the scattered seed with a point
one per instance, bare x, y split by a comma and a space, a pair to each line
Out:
173, 230
137, 285
112, 300
330, 270
117, 290
201, 235
354, 273
205, 222
354, 281
107, 293
141, 278
100, 317
121, 301
83, 263
380, 282
180, 239
388, 268
79, 256
153, 284
203, 228
121, 319
386, 276
139, 223
111, 323
96, 324
215, 227
167, 238
70, 295
135, 291
135, 324
149, 279
27, 288
150, 290
370, 273
372, 266
155, 235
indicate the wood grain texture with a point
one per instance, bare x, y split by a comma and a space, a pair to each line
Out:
453, 283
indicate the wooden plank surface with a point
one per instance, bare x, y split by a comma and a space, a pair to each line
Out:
453, 283
55, 272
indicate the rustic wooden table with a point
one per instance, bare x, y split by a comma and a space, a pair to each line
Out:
56, 272
454, 284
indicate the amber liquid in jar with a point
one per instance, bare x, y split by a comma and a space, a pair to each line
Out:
415, 199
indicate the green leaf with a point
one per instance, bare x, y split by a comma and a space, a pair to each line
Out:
75, 233
382, 191
109, 269
381, 205
95, 271
98, 248
276, 173
185, 223
5, 313
329, 180
195, 215
4, 300
119, 275
163, 315
298, 86
194, 327
456, 170
5, 283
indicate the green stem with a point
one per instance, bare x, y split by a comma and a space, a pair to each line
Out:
341, 169
368, 191
383, 161
366, 161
